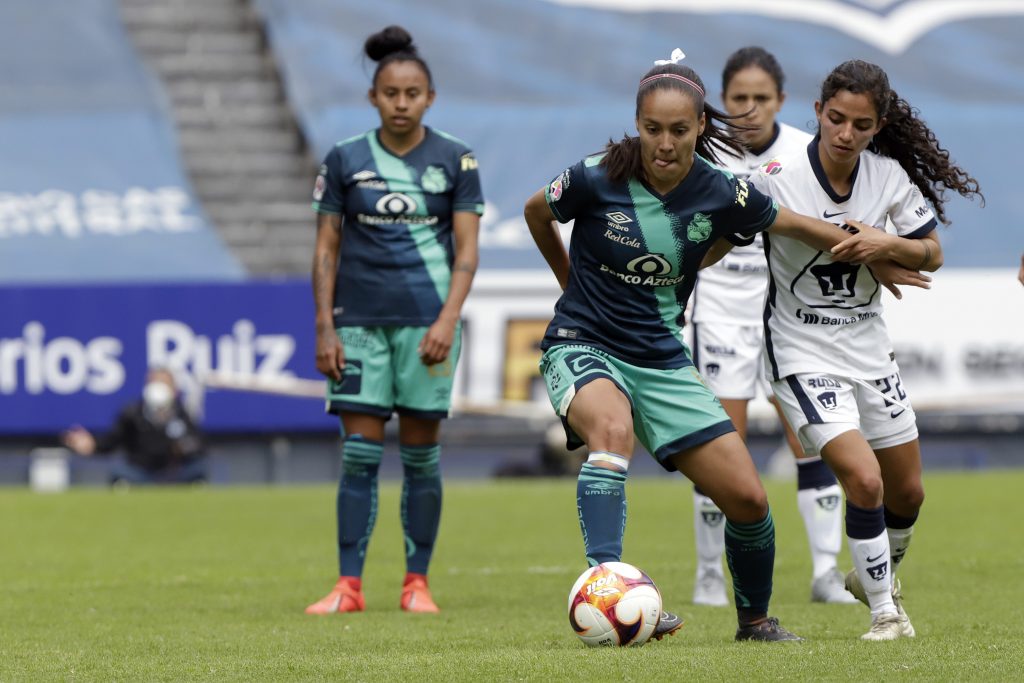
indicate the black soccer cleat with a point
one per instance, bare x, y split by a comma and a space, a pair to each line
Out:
768, 631
668, 624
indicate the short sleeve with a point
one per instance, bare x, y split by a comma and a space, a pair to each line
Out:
751, 212
468, 196
909, 210
328, 188
568, 193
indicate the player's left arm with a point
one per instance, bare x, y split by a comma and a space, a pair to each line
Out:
437, 342
716, 253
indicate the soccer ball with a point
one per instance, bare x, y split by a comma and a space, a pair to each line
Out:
614, 603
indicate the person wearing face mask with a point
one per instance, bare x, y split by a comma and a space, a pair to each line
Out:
160, 442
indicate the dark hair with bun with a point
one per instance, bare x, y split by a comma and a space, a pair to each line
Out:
394, 44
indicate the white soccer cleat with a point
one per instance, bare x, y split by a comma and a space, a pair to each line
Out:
889, 626
829, 588
709, 588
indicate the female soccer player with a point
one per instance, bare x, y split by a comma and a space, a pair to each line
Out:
646, 214
727, 313
826, 345
401, 205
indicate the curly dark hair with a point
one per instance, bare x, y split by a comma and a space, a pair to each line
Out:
623, 160
905, 137
394, 44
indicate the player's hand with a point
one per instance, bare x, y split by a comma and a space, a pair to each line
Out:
890, 274
330, 354
437, 342
865, 246
79, 440
1020, 274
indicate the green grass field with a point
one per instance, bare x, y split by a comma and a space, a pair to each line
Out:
211, 583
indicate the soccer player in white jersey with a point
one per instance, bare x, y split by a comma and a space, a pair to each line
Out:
826, 346
728, 329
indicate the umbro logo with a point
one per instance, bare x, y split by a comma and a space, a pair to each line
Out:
826, 214
618, 220
364, 175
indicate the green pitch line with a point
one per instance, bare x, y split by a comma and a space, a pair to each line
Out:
210, 584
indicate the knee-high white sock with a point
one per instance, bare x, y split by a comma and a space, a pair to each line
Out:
823, 520
869, 547
708, 531
900, 529
818, 497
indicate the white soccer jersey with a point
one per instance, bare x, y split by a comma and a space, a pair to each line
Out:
732, 290
825, 316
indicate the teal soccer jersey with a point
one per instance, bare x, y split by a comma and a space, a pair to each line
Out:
634, 255
397, 247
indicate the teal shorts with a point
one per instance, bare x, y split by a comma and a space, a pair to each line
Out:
673, 409
384, 374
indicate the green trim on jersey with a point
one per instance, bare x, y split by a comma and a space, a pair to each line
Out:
659, 229
449, 136
434, 256
352, 139
593, 160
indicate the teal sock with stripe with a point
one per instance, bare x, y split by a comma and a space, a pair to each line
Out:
601, 504
750, 552
421, 503
356, 505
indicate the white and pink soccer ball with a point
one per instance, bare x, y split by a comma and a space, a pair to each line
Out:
613, 604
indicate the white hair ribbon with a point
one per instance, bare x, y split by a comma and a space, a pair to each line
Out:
676, 57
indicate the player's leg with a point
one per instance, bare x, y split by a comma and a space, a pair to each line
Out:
363, 399
904, 495
685, 427
589, 394
422, 399
819, 499
728, 357
420, 506
824, 411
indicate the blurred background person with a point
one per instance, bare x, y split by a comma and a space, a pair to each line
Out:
159, 442
728, 335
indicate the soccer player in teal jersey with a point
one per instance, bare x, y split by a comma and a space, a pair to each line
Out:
399, 212
647, 214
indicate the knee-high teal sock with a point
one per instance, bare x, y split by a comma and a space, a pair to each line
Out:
750, 551
601, 504
357, 501
421, 504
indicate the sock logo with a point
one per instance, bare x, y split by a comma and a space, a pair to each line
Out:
712, 517
828, 502
879, 571
897, 555
602, 488
875, 558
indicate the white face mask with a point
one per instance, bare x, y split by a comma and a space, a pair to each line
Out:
157, 396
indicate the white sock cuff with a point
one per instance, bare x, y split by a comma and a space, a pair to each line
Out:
604, 456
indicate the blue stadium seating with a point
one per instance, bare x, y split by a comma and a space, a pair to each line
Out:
91, 185
533, 85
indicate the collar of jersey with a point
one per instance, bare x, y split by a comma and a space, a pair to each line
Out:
675, 190
819, 173
380, 143
764, 148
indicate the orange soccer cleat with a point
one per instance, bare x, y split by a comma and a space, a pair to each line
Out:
416, 595
346, 596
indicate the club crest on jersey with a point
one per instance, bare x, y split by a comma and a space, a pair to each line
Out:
318, 188
772, 167
699, 228
434, 180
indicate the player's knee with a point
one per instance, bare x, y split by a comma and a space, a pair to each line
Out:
910, 497
747, 505
864, 489
613, 434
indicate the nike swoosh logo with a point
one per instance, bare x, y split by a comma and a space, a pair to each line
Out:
872, 559
826, 214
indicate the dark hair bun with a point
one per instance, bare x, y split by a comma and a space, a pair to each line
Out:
391, 39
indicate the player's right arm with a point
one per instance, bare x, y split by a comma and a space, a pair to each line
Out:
541, 221
330, 355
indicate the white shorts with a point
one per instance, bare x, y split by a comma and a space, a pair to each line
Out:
729, 358
819, 407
